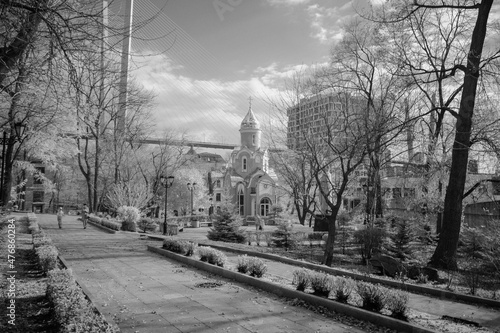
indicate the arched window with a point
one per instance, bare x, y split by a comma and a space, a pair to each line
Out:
265, 205
253, 139
244, 164
241, 201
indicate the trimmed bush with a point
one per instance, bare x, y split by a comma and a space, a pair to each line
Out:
257, 267
94, 218
111, 224
373, 296
321, 283
342, 289
40, 239
397, 303
72, 311
243, 264
301, 279
147, 224
130, 216
47, 257
33, 226
179, 246
212, 256
191, 249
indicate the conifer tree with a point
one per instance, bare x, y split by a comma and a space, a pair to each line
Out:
226, 227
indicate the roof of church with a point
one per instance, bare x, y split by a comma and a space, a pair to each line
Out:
250, 122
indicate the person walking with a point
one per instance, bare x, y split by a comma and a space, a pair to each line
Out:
60, 215
85, 215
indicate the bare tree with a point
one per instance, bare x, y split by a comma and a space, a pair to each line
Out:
472, 66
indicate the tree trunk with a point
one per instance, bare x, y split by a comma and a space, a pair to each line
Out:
330, 241
445, 254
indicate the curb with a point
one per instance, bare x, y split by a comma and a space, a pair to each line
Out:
442, 294
352, 311
97, 225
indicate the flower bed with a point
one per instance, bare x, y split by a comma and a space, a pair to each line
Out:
73, 312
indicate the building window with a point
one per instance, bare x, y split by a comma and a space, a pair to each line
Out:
241, 201
253, 139
38, 174
217, 183
38, 196
265, 205
217, 197
244, 164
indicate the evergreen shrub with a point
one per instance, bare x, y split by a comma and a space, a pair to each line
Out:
283, 236
47, 257
257, 267
321, 283
212, 256
372, 295
226, 226
301, 279
397, 303
342, 289
243, 264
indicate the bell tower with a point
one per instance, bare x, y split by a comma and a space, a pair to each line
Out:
250, 130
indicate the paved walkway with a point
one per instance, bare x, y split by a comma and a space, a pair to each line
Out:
145, 292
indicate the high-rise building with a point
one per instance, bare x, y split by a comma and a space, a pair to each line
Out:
309, 118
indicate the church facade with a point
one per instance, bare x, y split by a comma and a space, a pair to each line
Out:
248, 180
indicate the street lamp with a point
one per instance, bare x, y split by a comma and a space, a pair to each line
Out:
368, 189
167, 182
19, 129
191, 188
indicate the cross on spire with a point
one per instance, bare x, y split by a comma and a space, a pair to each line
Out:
250, 101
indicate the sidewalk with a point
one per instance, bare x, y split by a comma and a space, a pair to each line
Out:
145, 292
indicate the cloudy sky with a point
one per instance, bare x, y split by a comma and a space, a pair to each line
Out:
204, 58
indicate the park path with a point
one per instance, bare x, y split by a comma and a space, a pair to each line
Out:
144, 292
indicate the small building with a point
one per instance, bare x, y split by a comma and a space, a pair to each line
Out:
248, 180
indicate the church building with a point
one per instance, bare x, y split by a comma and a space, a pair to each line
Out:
248, 179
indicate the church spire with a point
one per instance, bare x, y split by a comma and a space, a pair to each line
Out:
250, 129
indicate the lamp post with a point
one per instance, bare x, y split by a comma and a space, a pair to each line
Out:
191, 188
368, 189
19, 129
167, 182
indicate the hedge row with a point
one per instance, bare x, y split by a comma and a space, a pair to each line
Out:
180, 246
254, 266
111, 224
374, 297
73, 312
45, 250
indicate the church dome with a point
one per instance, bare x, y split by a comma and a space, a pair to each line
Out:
250, 122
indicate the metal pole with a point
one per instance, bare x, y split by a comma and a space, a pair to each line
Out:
165, 213
192, 188
3, 163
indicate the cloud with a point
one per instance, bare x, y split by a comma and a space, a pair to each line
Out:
288, 2
207, 110
327, 22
